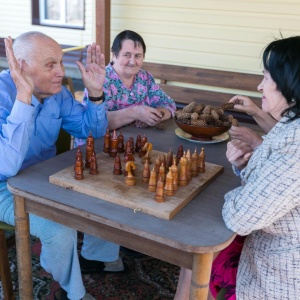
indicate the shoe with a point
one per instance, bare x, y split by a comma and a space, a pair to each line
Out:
131, 252
61, 294
94, 266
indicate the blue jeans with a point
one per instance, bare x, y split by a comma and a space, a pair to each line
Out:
59, 247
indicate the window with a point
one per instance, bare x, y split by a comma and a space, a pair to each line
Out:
60, 13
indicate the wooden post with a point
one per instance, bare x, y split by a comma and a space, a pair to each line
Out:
103, 27
201, 275
23, 249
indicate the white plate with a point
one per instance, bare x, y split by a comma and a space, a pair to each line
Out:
216, 139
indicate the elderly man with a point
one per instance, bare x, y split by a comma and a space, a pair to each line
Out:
33, 108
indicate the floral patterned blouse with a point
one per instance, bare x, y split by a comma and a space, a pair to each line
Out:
144, 91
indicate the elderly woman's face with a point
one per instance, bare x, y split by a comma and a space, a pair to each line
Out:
273, 101
130, 59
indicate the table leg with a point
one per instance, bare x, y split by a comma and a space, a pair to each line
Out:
200, 276
23, 249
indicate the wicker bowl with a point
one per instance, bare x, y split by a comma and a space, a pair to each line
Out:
205, 133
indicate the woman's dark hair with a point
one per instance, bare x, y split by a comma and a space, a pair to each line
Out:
127, 35
281, 58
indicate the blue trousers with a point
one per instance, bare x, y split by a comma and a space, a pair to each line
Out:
59, 247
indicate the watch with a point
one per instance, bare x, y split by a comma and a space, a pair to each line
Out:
95, 99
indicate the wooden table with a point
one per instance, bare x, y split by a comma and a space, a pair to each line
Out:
188, 240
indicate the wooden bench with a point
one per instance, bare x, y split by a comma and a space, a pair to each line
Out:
214, 87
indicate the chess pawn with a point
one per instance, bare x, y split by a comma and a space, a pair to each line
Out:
162, 172
79, 156
169, 186
188, 166
179, 152
201, 161
144, 141
174, 170
194, 164
106, 145
159, 192
130, 179
94, 165
117, 165
78, 169
91, 140
113, 150
138, 143
182, 176
152, 181
120, 147
146, 172
88, 153
169, 159
131, 140
157, 165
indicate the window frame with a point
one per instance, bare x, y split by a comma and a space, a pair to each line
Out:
38, 19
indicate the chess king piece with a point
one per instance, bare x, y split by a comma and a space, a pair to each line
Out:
169, 186
174, 170
78, 169
117, 165
201, 161
94, 165
182, 177
130, 179
106, 145
194, 164
152, 181
146, 172
159, 193
113, 149
120, 147
89, 151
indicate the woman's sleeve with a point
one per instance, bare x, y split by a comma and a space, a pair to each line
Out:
269, 195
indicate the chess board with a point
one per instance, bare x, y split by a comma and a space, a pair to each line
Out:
112, 188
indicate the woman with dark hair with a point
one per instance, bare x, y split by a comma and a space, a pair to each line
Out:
265, 209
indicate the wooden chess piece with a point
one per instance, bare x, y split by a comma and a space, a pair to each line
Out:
117, 165
169, 159
113, 150
162, 172
120, 147
182, 176
144, 141
94, 165
78, 169
148, 148
79, 156
106, 145
194, 164
152, 181
130, 179
91, 140
157, 165
138, 143
146, 172
131, 140
159, 192
201, 161
188, 166
179, 152
89, 152
169, 186
174, 170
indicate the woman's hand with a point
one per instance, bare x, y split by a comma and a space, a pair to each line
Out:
245, 104
22, 80
238, 153
246, 135
93, 74
147, 116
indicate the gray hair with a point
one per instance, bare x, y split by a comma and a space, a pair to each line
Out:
23, 45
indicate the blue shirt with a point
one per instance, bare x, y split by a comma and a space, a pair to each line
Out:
28, 133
